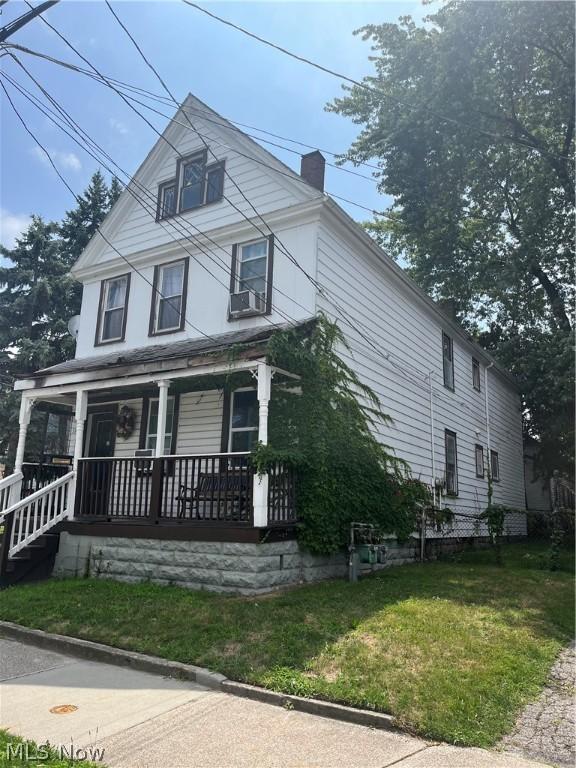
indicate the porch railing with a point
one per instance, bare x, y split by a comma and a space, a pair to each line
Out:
281, 494
38, 475
213, 488
36, 514
6, 493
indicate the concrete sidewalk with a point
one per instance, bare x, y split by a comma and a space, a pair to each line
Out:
146, 721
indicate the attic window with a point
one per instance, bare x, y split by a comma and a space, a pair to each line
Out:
167, 199
196, 184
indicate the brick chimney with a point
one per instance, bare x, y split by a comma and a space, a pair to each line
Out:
312, 169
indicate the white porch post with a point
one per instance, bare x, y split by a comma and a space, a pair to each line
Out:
26, 404
80, 420
260, 490
80, 413
163, 387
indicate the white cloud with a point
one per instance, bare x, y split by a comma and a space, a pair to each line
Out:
11, 226
66, 160
119, 126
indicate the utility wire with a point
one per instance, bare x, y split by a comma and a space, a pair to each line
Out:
322, 291
151, 208
314, 282
69, 188
168, 102
378, 91
24, 91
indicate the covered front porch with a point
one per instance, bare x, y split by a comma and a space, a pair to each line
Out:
157, 449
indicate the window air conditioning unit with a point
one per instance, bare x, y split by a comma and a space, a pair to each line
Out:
246, 302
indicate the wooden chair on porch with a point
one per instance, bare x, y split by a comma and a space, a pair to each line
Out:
217, 496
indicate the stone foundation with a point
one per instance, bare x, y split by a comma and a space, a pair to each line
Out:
216, 566
236, 568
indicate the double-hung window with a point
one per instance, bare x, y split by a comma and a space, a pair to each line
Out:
479, 455
451, 461
448, 360
251, 284
243, 420
111, 324
494, 466
152, 425
476, 374
169, 297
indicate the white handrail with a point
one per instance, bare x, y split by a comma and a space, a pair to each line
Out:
6, 485
40, 511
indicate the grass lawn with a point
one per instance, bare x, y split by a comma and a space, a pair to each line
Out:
11, 754
453, 649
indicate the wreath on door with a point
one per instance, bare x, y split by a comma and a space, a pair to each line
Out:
125, 422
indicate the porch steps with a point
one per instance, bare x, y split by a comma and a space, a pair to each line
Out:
32, 563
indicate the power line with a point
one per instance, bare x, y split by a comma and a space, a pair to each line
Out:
26, 18
168, 102
151, 208
69, 188
386, 356
321, 290
314, 282
372, 89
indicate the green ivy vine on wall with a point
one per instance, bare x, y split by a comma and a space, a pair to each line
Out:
324, 425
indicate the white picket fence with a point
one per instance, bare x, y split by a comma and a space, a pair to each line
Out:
39, 512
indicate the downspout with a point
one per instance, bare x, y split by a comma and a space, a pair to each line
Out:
487, 408
433, 479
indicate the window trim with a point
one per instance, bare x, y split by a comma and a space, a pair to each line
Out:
98, 341
495, 477
451, 386
476, 367
155, 303
479, 449
231, 415
145, 418
451, 433
161, 188
234, 270
177, 183
180, 163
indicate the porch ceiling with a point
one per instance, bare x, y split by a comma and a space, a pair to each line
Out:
197, 356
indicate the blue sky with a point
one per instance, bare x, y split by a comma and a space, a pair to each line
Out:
238, 77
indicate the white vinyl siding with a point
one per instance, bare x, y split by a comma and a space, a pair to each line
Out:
403, 327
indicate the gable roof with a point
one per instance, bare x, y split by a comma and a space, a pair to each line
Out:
192, 112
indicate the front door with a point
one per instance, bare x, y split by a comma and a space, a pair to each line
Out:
102, 434
101, 442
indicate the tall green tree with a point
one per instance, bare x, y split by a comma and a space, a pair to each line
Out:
38, 297
470, 117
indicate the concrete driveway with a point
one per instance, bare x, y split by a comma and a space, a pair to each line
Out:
146, 721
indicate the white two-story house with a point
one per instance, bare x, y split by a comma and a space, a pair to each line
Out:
213, 246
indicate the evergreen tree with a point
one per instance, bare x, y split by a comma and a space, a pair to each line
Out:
37, 298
